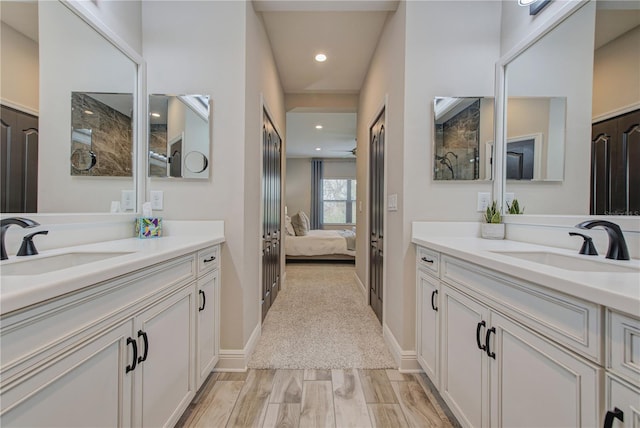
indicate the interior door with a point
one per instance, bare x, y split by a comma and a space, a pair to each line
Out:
376, 213
19, 161
271, 198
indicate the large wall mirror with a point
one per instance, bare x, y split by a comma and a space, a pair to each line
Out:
581, 73
179, 136
463, 138
53, 62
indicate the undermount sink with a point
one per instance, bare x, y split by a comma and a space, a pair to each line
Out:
577, 263
40, 265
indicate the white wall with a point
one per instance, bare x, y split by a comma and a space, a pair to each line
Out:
615, 74
65, 67
450, 49
298, 194
225, 55
19, 71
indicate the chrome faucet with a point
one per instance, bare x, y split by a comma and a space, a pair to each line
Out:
617, 245
6, 222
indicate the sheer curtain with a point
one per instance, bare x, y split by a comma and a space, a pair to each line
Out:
316, 194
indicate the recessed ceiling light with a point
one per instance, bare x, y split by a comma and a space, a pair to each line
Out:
88, 112
321, 57
155, 114
526, 2
318, 149
318, 126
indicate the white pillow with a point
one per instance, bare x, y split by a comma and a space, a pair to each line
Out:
288, 227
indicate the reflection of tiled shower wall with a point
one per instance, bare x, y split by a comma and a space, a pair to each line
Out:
460, 136
111, 136
158, 144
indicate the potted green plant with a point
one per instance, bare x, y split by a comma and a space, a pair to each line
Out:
514, 207
492, 228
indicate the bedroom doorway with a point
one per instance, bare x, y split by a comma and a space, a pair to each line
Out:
376, 213
271, 201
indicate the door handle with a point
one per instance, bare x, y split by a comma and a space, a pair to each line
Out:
478, 327
433, 297
146, 346
134, 345
611, 415
204, 301
489, 353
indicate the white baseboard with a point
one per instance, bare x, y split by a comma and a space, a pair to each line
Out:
362, 288
407, 361
236, 360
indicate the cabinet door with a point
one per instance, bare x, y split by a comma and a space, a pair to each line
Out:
536, 383
87, 387
428, 326
164, 376
207, 325
623, 400
463, 369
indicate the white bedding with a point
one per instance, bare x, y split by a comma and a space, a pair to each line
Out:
316, 243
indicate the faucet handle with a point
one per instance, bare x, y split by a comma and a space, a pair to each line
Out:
28, 248
588, 247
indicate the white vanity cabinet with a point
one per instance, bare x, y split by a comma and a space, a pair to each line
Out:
505, 350
622, 381
125, 352
208, 310
428, 326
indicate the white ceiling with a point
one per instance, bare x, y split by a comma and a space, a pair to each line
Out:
337, 138
21, 15
348, 33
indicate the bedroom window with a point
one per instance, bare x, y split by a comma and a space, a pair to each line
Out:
338, 201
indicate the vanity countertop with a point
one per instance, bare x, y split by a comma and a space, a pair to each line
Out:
21, 291
617, 290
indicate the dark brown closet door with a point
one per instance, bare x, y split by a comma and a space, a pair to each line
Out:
271, 198
376, 214
19, 161
615, 156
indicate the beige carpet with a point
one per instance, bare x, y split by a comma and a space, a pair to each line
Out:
320, 321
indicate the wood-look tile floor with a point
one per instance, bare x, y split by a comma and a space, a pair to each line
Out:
316, 398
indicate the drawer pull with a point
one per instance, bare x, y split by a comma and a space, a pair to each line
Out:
132, 366
479, 326
210, 259
204, 301
616, 414
426, 260
489, 353
433, 300
146, 346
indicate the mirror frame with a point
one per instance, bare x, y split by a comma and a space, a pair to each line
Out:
500, 131
83, 12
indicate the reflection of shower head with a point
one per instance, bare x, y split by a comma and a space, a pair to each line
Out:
451, 153
444, 160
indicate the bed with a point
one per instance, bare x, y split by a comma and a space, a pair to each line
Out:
321, 245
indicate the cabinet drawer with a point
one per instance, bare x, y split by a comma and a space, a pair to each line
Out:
623, 346
208, 259
570, 321
428, 260
624, 398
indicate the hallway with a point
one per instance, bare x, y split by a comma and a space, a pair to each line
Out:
310, 322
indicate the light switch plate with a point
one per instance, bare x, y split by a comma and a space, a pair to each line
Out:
157, 199
484, 200
127, 200
392, 202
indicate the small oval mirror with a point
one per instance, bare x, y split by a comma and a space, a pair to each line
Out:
196, 162
83, 159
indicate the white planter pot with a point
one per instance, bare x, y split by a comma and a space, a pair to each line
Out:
492, 230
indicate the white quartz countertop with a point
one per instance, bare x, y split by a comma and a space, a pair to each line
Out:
21, 291
617, 290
